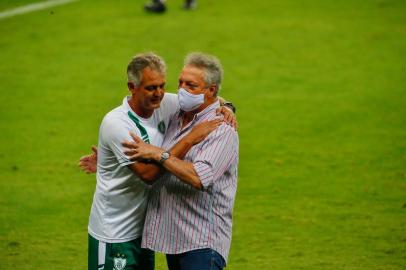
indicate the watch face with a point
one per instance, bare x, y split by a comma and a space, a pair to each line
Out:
164, 156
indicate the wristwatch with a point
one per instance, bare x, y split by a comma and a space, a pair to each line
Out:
230, 105
164, 156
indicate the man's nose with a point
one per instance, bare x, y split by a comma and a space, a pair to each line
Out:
159, 91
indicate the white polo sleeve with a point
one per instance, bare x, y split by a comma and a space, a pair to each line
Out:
113, 132
170, 105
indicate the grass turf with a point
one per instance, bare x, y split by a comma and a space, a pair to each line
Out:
319, 87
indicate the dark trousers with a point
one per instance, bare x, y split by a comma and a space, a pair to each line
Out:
200, 259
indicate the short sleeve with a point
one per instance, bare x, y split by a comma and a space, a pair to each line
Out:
218, 152
170, 105
114, 132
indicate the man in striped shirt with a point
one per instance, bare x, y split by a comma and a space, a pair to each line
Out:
189, 214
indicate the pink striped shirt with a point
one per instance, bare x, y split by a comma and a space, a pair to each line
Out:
181, 218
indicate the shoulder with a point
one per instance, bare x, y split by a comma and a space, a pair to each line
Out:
222, 142
226, 129
113, 116
170, 97
170, 101
115, 120
169, 106
223, 133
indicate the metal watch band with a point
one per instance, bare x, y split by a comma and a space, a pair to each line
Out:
230, 105
164, 156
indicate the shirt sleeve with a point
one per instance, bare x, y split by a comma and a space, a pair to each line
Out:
218, 152
114, 132
170, 105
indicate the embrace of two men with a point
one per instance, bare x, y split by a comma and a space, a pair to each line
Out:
166, 171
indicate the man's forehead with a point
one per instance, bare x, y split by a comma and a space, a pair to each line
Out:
154, 72
151, 74
192, 72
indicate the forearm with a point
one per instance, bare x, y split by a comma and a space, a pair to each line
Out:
184, 171
149, 172
180, 149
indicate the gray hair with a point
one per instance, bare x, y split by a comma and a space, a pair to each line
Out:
142, 61
210, 64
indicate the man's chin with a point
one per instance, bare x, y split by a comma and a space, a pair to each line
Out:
155, 105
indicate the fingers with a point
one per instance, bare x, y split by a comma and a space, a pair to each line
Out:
89, 170
135, 137
87, 167
231, 121
130, 145
227, 118
208, 126
131, 148
230, 118
130, 152
217, 121
84, 163
88, 163
84, 158
214, 124
234, 125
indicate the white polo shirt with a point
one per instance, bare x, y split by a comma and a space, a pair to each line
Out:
120, 199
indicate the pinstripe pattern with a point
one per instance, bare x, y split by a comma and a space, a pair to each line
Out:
181, 218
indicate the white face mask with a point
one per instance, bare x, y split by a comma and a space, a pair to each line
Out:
189, 102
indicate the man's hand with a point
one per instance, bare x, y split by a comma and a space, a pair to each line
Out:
88, 163
201, 130
229, 116
138, 150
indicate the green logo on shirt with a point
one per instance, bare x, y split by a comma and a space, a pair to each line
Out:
162, 127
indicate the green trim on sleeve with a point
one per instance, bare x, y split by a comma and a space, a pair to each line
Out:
144, 133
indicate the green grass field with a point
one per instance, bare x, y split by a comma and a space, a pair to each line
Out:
320, 92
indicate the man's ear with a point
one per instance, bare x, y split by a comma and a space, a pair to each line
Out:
130, 86
213, 89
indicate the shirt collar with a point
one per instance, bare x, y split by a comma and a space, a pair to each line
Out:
127, 107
